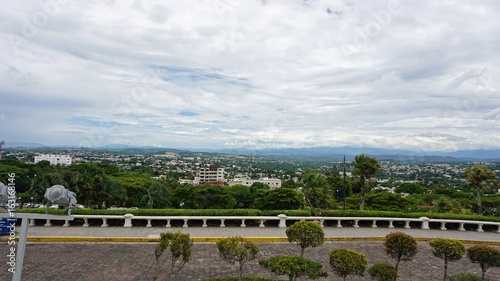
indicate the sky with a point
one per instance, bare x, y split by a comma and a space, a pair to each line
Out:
415, 75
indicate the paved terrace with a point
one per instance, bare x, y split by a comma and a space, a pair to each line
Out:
135, 261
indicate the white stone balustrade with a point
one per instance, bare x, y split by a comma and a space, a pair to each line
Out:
423, 222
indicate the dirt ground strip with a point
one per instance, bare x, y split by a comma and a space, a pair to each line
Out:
136, 262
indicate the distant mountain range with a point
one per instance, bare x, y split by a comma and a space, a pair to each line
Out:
311, 153
337, 153
22, 145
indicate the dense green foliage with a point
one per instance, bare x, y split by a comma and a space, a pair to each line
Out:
383, 272
282, 198
236, 250
294, 267
490, 205
305, 234
385, 201
297, 213
411, 188
345, 262
448, 250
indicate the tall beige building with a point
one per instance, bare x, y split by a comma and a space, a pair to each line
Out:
210, 174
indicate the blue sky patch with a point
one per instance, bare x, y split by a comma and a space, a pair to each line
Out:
182, 75
92, 122
188, 113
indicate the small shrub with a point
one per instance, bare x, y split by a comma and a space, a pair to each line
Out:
180, 248
347, 262
383, 272
294, 267
235, 250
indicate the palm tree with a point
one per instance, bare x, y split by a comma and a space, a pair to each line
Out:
156, 193
111, 190
481, 178
365, 167
316, 190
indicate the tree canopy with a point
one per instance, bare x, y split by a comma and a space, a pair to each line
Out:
480, 178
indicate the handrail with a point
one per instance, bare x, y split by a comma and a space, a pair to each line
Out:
282, 219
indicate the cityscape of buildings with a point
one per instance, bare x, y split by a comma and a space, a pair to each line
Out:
234, 169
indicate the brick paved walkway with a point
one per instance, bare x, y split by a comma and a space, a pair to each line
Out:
136, 262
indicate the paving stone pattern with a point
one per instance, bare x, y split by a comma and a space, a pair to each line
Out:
136, 262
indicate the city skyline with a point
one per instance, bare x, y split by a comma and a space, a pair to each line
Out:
407, 75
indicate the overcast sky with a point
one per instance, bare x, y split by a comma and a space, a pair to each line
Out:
418, 75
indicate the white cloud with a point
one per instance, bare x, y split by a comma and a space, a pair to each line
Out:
387, 73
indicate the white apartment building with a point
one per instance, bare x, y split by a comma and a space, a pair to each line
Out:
54, 159
239, 179
210, 174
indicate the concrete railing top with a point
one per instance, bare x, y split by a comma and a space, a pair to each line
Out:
281, 217
424, 222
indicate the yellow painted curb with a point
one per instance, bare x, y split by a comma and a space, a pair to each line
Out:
90, 239
77, 239
354, 239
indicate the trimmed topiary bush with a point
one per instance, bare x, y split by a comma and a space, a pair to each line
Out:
305, 234
400, 246
448, 250
486, 256
236, 250
294, 267
345, 262
383, 272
